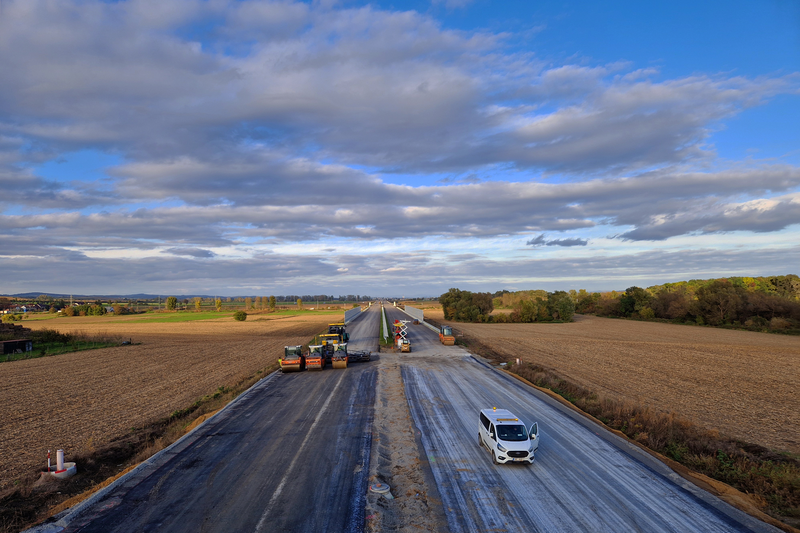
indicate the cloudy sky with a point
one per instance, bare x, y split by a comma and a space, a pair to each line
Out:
395, 148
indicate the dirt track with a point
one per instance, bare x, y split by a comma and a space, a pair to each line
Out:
742, 383
82, 400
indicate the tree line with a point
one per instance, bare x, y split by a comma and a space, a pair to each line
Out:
752, 303
528, 306
757, 303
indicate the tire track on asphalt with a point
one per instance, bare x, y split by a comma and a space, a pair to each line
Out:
584, 479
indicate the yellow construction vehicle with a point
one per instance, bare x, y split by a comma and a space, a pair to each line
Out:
329, 342
339, 329
405, 346
339, 358
293, 359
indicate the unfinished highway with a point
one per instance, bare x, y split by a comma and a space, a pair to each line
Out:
584, 478
292, 454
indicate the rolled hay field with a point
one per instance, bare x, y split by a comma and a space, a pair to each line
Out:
743, 384
83, 400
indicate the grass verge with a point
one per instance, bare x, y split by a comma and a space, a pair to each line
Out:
770, 479
383, 325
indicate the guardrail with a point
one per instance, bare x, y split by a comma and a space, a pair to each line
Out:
385, 328
352, 314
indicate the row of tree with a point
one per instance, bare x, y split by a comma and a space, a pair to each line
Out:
751, 302
265, 303
84, 310
716, 302
528, 306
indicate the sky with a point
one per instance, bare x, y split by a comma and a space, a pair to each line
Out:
395, 148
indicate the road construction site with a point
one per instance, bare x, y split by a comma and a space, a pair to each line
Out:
298, 451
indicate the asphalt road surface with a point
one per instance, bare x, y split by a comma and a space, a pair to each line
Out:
291, 454
584, 478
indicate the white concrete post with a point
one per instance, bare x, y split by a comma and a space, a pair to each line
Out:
60, 460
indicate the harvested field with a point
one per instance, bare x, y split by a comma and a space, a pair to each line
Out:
741, 383
82, 400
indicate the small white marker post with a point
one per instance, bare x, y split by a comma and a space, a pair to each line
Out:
48, 461
60, 461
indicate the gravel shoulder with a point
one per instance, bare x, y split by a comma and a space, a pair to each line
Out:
398, 460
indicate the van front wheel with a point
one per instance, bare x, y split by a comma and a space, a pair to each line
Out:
494, 458
480, 441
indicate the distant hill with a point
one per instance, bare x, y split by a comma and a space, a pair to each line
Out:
32, 295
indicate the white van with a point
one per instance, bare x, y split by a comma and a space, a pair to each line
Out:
506, 437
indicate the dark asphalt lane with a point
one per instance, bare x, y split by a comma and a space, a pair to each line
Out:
293, 455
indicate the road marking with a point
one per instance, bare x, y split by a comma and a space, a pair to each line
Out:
282, 484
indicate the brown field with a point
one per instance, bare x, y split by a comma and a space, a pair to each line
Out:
82, 400
743, 384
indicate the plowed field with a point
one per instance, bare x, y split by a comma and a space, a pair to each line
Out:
742, 383
84, 399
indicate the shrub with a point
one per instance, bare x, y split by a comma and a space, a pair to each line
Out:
563, 305
779, 323
50, 335
241, 316
756, 322
501, 318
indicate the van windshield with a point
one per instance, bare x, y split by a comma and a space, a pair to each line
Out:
511, 433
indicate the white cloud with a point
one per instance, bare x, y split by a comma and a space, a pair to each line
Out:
248, 126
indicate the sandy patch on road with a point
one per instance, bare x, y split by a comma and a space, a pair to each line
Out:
742, 383
395, 460
83, 400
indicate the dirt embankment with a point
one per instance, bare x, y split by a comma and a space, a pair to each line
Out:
396, 461
742, 383
83, 400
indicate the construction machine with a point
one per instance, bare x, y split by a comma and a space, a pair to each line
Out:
293, 359
405, 346
446, 336
339, 329
315, 358
358, 356
339, 358
400, 330
329, 342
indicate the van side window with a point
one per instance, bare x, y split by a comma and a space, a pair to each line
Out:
484, 421
491, 432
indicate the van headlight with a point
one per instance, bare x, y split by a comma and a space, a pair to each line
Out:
500, 447
530, 450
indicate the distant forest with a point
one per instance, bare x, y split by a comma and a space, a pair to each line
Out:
770, 303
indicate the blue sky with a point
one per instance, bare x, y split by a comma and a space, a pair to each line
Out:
279, 147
